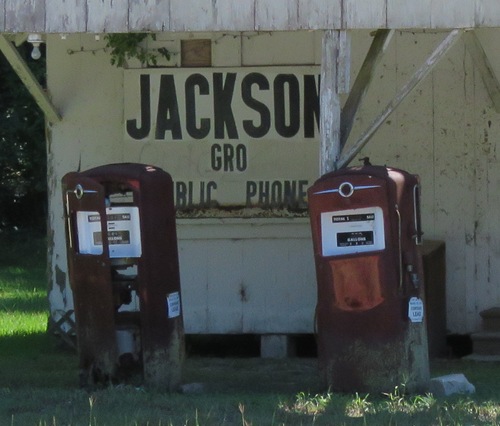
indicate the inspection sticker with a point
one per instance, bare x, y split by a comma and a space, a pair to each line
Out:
416, 310
174, 304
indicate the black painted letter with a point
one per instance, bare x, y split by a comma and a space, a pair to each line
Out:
191, 82
168, 109
143, 131
265, 116
290, 129
223, 113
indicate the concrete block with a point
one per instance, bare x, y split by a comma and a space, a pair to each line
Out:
276, 346
451, 384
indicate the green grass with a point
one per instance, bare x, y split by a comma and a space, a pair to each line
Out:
39, 378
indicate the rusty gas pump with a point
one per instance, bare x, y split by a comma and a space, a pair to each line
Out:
124, 273
370, 318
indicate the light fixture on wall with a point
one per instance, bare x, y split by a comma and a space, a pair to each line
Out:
35, 40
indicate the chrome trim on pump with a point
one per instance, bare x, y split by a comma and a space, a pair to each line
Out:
355, 188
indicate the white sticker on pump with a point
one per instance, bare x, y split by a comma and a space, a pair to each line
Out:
416, 309
174, 304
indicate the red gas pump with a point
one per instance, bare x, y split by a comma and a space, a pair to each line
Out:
370, 318
124, 273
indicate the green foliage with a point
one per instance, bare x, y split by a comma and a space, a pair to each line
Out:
126, 46
22, 148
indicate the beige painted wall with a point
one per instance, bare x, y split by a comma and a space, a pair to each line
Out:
446, 132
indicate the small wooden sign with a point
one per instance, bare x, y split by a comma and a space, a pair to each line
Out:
196, 53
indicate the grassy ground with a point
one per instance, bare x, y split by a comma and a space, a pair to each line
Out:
39, 381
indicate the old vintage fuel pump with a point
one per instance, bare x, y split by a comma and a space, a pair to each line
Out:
370, 316
124, 273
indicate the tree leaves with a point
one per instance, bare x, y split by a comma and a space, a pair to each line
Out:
22, 149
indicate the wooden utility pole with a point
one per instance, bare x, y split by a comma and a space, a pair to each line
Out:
335, 70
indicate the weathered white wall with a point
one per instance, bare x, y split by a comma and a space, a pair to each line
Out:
446, 132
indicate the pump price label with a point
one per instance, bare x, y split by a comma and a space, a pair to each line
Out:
416, 309
353, 218
349, 239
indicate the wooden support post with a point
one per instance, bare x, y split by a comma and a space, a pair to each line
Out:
419, 75
335, 63
362, 82
29, 80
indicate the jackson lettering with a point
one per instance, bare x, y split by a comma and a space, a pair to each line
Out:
294, 110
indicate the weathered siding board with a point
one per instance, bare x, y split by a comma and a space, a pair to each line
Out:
183, 11
487, 13
106, 16
470, 187
256, 52
408, 13
66, 15
315, 14
234, 16
452, 192
492, 233
484, 229
2, 16
149, 15
276, 15
372, 14
21, 14
236, 286
460, 12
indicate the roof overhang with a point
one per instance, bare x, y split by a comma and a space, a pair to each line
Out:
98, 16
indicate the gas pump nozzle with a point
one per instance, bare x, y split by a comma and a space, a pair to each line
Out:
415, 280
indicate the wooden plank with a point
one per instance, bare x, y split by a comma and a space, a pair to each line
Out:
64, 16
244, 15
452, 13
234, 16
28, 79
362, 82
482, 63
364, 14
329, 103
196, 53
106, 16
276, 15
320, 14
487, 13
484, 225
149, 15
344, 62
24, 16
191, 15
409, 13
453, 196
419, 75
2, 17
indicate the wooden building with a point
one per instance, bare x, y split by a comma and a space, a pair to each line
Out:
410, 84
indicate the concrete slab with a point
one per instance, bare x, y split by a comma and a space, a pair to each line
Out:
451, 384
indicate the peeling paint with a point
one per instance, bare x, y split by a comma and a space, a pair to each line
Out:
60, 278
